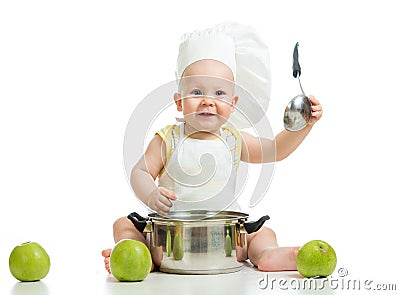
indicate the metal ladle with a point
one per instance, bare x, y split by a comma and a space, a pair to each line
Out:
298, 111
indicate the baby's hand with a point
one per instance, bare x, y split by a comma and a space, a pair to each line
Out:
160, 200
316, 110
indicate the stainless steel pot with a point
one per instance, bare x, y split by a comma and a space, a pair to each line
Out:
197, 242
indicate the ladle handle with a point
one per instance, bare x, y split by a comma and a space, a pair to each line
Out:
296, 65
301, 87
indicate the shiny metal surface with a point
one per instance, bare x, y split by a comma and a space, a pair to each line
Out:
183, 243
297, 113
199, 216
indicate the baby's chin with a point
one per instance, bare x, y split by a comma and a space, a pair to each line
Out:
206, 126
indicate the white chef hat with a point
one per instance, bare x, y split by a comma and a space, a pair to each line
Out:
238, 47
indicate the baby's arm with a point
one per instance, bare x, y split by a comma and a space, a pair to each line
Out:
261, 150
143, 177
287, 142
256, 149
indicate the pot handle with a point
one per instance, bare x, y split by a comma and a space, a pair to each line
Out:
138, 221
254, 226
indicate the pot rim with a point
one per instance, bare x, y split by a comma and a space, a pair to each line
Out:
193, 216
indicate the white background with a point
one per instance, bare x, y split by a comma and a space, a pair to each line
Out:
72, 72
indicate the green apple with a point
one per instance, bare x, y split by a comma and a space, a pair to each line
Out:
316, 259
29, 262
130, 261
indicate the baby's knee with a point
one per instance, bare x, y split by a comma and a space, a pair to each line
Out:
268, 232
264, 232
120, 223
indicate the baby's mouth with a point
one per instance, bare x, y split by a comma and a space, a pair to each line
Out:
206, 114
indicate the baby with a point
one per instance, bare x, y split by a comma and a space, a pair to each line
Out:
208, 68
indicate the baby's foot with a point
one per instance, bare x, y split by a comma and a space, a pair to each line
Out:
278, 259
106, 254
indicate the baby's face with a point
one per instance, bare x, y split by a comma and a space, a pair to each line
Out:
207, 96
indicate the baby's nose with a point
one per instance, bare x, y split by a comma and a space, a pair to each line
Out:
208, 101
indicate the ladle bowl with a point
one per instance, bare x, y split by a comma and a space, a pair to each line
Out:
297, 113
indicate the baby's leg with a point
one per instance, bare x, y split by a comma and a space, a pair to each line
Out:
123, 228
263, 252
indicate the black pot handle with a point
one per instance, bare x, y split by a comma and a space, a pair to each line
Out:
254, 226
138, 221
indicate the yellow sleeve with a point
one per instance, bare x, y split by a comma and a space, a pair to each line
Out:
167, 135
165, 131
234, 140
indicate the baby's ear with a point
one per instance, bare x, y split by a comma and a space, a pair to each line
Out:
178, 101
234, 102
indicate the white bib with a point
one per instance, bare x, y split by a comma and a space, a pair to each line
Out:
202, 175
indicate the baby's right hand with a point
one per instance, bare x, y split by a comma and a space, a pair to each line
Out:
160, 200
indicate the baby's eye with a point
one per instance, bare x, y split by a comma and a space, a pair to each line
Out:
196, 92
219, 93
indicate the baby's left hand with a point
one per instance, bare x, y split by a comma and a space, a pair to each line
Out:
316, 110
